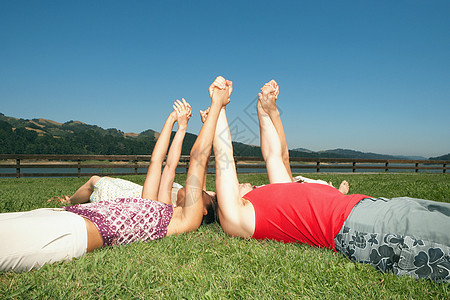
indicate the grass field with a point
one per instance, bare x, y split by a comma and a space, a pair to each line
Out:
207, 264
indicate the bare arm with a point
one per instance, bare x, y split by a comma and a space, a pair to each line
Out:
192, 211
153, 178
203, 116
168, 175
230, 203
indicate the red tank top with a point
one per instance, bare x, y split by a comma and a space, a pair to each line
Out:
310, 213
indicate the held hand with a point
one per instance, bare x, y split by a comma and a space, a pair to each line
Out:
188, 108
230, 87
221, 96
183, 112
204, 114
173, 116
220, 83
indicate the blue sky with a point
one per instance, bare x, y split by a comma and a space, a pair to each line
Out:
372, 76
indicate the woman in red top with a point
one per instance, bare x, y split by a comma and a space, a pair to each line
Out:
375, 231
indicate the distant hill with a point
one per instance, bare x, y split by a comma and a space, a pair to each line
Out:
443, 157
57, 130
302, 150
346, 153
411, 157
42, 136
357, 154
367, 155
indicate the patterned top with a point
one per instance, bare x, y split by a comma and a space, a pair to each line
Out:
125, 220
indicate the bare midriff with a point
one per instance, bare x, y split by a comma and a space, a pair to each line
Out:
94, 238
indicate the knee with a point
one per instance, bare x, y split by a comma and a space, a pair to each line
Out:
93, 180
273, 154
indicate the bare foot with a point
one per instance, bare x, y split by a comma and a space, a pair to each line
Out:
275, 86
344, 187
268, 96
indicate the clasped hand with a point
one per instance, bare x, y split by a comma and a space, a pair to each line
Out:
182, 112
220, 90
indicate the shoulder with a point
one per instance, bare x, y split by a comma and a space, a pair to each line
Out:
240, 223
180, 224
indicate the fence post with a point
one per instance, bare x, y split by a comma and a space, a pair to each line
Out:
135, 167
387, 166
79, 168
444, 167
417, 166
18, 167
318, 166
354, 164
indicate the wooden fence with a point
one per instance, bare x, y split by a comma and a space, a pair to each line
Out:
79, 165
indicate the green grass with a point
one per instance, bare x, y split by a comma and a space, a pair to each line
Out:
208, 264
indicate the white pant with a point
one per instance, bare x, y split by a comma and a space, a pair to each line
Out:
30, 239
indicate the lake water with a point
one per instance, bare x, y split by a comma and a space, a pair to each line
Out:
74, 171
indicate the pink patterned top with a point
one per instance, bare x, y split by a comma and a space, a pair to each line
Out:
125, 220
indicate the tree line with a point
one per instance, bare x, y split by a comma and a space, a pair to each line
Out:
24, 141
92, 141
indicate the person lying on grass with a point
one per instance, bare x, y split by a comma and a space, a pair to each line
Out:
105, 188
99, 188
405, 236
31, 239
108, 188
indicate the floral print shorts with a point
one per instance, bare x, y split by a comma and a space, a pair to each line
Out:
405, 236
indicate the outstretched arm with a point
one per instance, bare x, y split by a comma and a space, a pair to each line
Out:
183, 113
203, 116
227, 185
192, 211
153, 178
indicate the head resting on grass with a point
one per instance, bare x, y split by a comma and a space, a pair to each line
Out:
209, 199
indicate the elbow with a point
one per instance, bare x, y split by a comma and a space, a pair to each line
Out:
195, 153
200, 154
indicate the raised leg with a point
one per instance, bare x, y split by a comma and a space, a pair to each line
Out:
273, 140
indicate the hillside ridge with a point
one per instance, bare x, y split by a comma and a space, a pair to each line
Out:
44, 136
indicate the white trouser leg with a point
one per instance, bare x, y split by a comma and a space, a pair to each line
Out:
30, 239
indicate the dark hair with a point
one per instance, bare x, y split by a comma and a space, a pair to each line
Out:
211, 209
